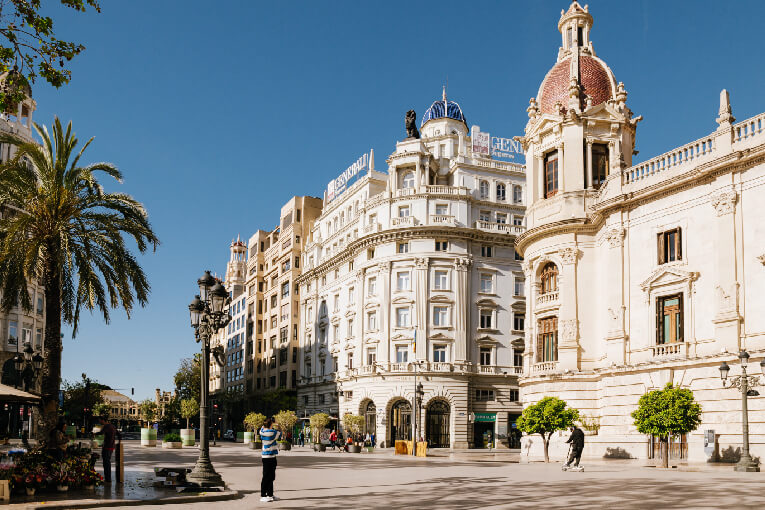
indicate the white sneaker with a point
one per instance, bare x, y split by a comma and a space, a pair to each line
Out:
266, 499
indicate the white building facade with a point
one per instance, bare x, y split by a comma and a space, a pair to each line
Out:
411, 276
638, 274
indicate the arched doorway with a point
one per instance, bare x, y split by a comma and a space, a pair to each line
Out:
400, 421
437, 419
370, 417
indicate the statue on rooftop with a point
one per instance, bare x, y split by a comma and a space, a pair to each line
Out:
411, 125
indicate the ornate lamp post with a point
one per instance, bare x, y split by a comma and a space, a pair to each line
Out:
207, 317
416, 401
29, 358
743, 383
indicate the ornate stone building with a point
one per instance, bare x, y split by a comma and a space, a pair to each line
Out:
410, 276
639, 274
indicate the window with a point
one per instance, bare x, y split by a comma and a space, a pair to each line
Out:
442, 209
372, 321
337, 303
283, 333
297, 262
669, 318
440, 280
439, 353
517, 359
13, 333
39, 305
440, 316
549, 278
487, 283
484, 216
514, 395
501, 192
403, 247
502, 218
518, 287
408, 180
547, 342
551, 174
670, 246
517, 194
307, 369
285, 289
372, 286
402, 317
321, 398
599, 164
349, 331
336, 333
485, 356
351, 297
402, 280
349, 365
273, 300
402, 354
483, 189
487, 251
519, 320
403, 211
371, 356
517, 220
486, 318
370, 253
442, 245
38, 338
484, 395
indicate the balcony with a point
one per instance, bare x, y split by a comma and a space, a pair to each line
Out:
547, 298
544, 367
447, 190
402, 221
502, 228
673, 350
371, 228
442, 219
404, 192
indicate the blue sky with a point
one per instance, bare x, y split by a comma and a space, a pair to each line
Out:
218, 112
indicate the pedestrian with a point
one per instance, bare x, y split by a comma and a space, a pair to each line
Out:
577, 445
109, 432
57, 440
301, 438
269, 435
374, 440
333, 438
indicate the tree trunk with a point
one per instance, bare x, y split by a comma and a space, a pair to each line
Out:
665, 453
546, 444
187, 423
51, 371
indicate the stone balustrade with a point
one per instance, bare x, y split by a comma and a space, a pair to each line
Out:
694, 152
442, 219
505, 228
544, 366
671, 350
402, 221
547, 297
749, 129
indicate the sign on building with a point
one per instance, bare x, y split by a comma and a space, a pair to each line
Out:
497, 147
339, 184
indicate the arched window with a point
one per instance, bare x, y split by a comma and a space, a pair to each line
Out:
484, 189
408, 181
501, 192
549, 278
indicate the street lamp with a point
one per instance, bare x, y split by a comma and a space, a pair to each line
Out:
207, 316
743, 383
27, 359
416, 400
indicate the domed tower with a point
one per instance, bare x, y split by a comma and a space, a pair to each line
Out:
236, 269
444, 117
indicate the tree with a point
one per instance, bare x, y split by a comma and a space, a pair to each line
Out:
545, 417
81, 398
102, 409
71, 232
318, 422
148, 410
667, 412
286, 420
274, 401
171, 413
253, 421
353, 424
31, 49
189, 409
188, 378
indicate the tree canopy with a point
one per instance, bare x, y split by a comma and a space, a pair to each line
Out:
188, 378
545, 417
189, 409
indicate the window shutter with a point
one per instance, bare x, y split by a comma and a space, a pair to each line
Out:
679, 248
660, 245
659, 329
680, 319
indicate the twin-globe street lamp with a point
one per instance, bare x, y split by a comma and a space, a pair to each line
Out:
207, 317
744, 383
28, 359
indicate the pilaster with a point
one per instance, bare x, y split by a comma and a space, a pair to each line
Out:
420, 319
462, 310
383, 325
568, 323
616, 337
727, 321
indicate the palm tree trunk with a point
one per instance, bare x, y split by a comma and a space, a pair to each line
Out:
51, 371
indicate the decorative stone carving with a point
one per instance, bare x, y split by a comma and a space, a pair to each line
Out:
724, 201
526, 266
615, 237
533, 109
621, 93
462, 264
568, 330
761, 258
421, 263
725, 115
568, 255
383, 267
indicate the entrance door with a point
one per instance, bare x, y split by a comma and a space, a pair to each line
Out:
437, 419
370, 416
483, 434
400, 422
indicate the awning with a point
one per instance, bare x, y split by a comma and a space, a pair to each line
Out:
10, 395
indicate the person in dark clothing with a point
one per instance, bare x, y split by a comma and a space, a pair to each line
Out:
110, 433
577, 445
57, 440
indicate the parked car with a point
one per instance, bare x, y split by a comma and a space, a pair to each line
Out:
229, 435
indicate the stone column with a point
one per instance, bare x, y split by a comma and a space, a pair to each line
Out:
462, 310
589, 164
561, 170
727, 320
360, 319
616, 337
383, 325
568, 323
420, 315
531, 296
418, 176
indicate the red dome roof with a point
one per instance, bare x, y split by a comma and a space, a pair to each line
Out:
595, 79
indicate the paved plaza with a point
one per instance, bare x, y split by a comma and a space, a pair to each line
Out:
306, 479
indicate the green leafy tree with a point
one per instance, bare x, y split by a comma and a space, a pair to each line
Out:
253, 421
171, 413
286, 420
354, 424
274, 401
81, 398
29, 48
318, 422
102, 409
189, 409
148, 411
188, 378
70, 232
545, 417
671, 411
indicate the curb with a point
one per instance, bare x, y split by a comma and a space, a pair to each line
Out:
103, 503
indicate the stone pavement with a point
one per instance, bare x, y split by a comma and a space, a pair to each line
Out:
306, 479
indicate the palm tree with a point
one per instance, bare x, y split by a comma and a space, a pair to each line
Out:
59, 225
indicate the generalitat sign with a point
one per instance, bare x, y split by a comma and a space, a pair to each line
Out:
337, 185
495, 146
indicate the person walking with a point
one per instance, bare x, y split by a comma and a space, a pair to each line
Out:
333, 439
269, 435
577, 445
110, 433
301, 438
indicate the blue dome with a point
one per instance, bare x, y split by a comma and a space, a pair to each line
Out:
436, 111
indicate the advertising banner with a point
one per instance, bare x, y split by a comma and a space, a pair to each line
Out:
339, 184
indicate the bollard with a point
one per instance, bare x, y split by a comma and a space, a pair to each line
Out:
119, 465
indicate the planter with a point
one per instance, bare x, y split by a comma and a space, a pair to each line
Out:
319, 447
354, 448
148, 437
5, 490
249, 437
172, 444
257, 445
62, 488
239, 437
89, 487
30, 491
370, 449
188, 437
285, 446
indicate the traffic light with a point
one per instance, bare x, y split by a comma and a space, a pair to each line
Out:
132, 391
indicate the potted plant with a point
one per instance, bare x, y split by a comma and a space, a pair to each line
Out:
189, 409
62, 476
318, 422
172, 441
286, 421
252, 422
353, 425
148, 434
34, 480
90, 478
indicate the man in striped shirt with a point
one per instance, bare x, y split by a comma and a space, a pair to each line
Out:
269, 435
